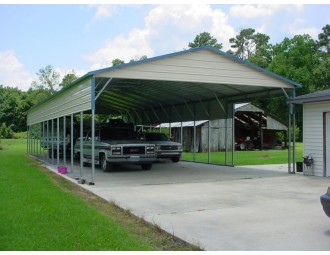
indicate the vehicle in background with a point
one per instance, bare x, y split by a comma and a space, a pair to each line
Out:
116, 143
164, 147
325, 201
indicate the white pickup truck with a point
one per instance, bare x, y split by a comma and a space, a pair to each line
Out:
116, 144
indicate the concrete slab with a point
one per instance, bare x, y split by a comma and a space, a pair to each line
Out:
223, 208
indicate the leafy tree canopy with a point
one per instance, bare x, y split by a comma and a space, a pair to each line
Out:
68, 78
48, 79
117, 62
248, 43
205, 39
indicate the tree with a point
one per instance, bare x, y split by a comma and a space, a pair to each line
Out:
324, 39
294, 59
322, 71
13, 108
143, 57
205, 39
248, 43
48, 79
68, 78
117, 62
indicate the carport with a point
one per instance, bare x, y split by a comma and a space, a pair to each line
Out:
197, 84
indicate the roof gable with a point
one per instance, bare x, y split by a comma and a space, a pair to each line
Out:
204, 64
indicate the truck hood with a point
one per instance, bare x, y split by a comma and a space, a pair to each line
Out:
163, 143
134, 142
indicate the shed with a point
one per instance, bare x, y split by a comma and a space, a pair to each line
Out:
251, 123
196, 84
316, 130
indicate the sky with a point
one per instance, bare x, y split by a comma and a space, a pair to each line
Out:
85, 37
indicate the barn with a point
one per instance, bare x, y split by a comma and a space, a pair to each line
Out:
254, 129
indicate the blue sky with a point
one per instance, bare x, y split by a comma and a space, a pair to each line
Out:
86, 37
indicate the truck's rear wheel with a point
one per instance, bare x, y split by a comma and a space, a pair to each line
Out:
105, 166
146, 166
175, 160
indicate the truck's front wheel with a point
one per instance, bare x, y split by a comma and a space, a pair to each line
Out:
146, 166
106, 167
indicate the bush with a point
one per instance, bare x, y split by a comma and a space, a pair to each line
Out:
20, 135
6, 132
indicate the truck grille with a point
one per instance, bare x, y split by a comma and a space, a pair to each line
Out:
168, 147
134, 150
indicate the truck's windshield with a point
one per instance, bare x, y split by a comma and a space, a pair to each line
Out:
156, 137
118, 134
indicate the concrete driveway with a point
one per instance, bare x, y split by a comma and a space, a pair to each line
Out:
224, 208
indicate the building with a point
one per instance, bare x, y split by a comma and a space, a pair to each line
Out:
254, 129
316, 131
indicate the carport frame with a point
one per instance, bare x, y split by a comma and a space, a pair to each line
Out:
84, 90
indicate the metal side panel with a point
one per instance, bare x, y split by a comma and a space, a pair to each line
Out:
73, 100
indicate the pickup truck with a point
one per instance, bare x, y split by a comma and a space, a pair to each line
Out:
116, 145
164, 147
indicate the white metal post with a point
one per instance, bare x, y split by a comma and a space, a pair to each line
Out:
71, 137
64, 140
233, 136
289, 143
81, 144
27, 139
47, 140
93, 146
208, 142
52, 141
58, 141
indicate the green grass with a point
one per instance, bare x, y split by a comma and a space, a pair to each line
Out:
42, 211
247, 157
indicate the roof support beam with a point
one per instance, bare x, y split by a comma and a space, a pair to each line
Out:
286, 94
106, 85
206, 111
177, 112
161, 106
191, 112
219, 102
147, 117
138, 116
155, 114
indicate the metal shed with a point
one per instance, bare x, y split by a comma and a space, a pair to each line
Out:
316, 131
196, 84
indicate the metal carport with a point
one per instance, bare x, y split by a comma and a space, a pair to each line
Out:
196, 84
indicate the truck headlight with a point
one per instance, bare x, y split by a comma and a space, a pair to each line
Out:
116, 150
150, 150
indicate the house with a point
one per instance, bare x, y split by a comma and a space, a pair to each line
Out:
253, 127
316, 130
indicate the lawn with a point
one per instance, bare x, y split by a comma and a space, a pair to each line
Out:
247, 157
41, 211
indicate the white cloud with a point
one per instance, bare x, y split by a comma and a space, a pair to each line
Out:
13, 73
103, 11
167, 28
181, 24
249, 11
124, 47
297, 28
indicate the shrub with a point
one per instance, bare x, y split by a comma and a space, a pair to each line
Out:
6, 132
